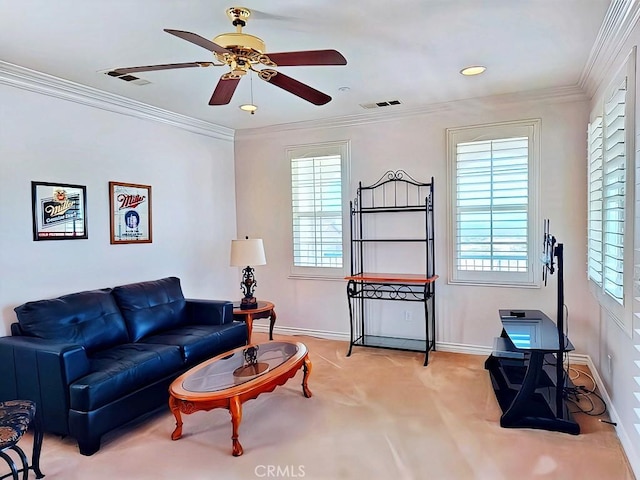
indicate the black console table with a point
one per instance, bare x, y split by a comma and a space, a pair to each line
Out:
527, 373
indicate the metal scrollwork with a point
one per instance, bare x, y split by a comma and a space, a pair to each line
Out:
230, 76
384, 291
265, 60
267, 74
395, 176
352, 289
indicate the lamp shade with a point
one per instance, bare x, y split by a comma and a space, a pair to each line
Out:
247, 252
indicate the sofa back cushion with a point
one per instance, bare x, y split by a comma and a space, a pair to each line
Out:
91, 319
150, 307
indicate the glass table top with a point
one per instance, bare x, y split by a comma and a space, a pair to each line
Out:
532, 330
239, 367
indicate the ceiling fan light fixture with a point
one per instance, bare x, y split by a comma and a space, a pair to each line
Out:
249, 107
473, 70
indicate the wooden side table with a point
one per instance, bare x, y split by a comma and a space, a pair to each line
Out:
264, 310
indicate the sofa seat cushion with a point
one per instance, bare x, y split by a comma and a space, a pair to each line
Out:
151, 307
121, 370
199, 342
90, 319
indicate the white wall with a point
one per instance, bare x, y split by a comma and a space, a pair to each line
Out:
48, 139
465, 314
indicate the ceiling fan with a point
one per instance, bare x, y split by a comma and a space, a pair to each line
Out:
242, 53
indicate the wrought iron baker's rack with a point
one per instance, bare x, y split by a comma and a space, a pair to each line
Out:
395, 192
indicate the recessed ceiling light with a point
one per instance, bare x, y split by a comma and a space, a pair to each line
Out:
473, 70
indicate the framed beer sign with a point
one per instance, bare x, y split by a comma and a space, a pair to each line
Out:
130, 210
59, 211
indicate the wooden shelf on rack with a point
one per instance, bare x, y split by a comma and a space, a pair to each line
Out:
392, 278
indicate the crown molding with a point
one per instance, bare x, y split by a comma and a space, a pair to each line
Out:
620, 20
487, 103
24, 78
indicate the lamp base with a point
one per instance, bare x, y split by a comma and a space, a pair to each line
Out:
248, 303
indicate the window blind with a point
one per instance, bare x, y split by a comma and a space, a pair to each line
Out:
613, 193
492, 193
594, 233
316, 187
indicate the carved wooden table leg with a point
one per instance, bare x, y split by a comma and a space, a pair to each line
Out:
249, 321
272, 322
174, 405
235, 407
307, 372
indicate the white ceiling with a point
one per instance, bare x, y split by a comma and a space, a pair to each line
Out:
408, 50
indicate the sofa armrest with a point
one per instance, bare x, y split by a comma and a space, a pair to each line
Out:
41, 370
209, 312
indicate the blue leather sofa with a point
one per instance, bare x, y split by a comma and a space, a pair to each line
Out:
95, 360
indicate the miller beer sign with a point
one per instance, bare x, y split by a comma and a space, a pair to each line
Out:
59, 211
130, 213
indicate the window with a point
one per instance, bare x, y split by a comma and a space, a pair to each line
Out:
493, 171
318, 182
611, 191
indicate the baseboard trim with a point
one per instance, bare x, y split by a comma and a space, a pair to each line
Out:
284, 330
625, 440
575, 358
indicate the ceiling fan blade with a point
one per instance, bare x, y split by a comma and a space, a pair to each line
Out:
308, 57
294, 86
224, 91
166, 66
198, 40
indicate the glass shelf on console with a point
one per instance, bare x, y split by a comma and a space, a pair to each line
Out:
532, 330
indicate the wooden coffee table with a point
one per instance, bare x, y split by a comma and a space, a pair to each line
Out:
234, 377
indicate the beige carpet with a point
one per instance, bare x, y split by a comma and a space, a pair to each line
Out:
378, 414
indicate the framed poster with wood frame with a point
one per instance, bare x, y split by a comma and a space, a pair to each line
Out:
130, 213
59, 211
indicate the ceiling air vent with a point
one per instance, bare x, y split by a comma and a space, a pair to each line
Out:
380, 104
127, 77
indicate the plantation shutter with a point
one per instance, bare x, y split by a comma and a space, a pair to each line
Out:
492, 194
594, 233
316, 186
613, 209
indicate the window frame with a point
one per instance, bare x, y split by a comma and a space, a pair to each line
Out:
620, 312
529, 128
341, 148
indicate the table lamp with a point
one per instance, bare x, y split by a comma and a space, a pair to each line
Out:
248, 252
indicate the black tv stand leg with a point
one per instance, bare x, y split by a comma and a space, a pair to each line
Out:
519, 406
